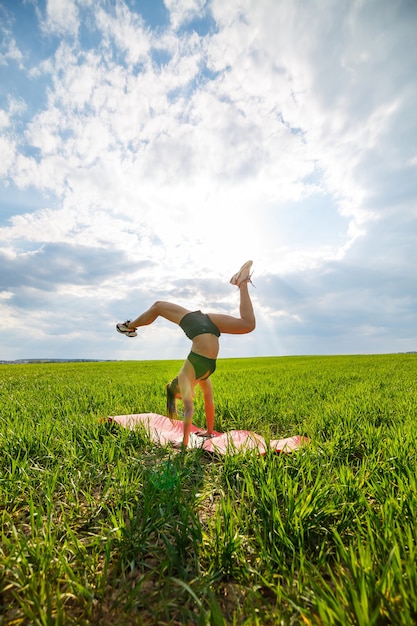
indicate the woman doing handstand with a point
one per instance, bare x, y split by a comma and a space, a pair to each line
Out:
204, 331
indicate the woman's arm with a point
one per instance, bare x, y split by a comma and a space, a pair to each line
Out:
186, 389
207, 389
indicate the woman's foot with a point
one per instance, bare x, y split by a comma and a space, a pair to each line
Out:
243, 275
122, 327
205, 435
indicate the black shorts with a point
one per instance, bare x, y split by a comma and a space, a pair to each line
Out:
198, 323
203, 366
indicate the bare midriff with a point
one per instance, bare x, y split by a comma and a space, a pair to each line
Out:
207, 345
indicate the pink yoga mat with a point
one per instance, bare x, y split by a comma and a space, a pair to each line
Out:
163, 430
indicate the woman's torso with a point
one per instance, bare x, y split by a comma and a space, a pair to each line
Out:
203, 333
207, 345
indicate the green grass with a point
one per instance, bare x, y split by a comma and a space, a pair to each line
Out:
99, 526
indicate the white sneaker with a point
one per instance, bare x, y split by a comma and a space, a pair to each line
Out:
122, 327
243, 274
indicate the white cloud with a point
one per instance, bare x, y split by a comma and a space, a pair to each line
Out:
10, 51
62, 17
286, 136
4, 119
8, 153
184, 10
127, 31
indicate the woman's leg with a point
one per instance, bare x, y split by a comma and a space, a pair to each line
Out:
171, 312
237, 325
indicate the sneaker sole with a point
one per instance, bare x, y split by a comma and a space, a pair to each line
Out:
127, 333
238, 278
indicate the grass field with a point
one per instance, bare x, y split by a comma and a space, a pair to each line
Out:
99, 526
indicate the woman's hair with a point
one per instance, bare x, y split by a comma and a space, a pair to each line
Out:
172, 391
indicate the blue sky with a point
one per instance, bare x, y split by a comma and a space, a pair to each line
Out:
148, 148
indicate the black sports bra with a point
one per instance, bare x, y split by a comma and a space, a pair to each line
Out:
198, 323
